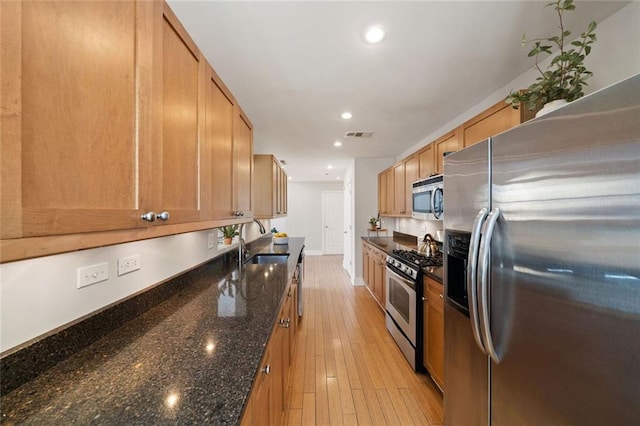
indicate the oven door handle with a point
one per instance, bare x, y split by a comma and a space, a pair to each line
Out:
405, 282
472, 277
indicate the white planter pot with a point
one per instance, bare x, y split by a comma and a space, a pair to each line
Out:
551, 106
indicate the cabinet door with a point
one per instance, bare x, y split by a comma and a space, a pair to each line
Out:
494, 120
283, 191
398, 190
411, 165
75, 80
379, 280
434, 332
176, 185
447, 143
382, 193
217, 150
365, 263
243, 163
425, 159
390, 192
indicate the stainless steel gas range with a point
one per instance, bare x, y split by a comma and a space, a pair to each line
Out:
404, 292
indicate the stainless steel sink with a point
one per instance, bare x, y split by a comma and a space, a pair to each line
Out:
266, 259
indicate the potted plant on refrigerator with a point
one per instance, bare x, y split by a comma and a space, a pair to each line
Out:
566, 74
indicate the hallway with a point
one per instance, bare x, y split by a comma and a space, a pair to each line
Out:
347, 368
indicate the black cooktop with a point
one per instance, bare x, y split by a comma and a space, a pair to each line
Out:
419, 259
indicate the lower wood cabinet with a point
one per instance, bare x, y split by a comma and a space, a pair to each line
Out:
267, 401
374, 271
433, 336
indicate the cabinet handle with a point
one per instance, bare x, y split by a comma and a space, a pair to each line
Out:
239, 213
163, 216
424, 299
441, 296
267, 369
284, 323
148, 216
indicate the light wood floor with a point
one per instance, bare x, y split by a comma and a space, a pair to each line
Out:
347, 368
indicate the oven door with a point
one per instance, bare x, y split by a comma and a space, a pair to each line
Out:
401, 303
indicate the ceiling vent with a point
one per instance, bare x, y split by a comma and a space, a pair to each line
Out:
358, 134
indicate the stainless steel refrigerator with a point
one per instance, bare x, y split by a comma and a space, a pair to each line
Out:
542, 269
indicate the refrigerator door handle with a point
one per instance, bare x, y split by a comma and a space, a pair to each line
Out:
472, 277
484, 270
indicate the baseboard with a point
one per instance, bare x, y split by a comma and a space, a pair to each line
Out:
313, 252
359, 282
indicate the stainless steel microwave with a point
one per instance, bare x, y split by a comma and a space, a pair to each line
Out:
428, 198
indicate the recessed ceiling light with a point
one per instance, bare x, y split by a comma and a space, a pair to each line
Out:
338, 178
289, 177
346, 115
337, 143
374, 34
329, 167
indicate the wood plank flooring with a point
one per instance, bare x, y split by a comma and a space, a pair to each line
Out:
347, 369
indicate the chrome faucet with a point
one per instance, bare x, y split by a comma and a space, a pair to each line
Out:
261, 226
243, 252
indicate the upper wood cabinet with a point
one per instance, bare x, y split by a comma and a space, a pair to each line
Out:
425, 162
271, 187
411, 170
443, 145
176, 186
386, 192
497, 119
73, 126
398, 190
110, 111
217, 150
243, 163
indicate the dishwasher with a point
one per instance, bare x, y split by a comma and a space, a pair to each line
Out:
300, 277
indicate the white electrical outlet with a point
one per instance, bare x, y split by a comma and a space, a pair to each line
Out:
211, 239
88, 275
128, 264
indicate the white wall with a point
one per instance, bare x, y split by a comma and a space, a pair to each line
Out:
615, 56
304, 215
41, 295
365, 204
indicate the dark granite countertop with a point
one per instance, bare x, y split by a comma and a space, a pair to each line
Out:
388, 244
191, 359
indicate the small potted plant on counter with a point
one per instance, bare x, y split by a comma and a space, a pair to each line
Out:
373, 221
228, 232
565, 76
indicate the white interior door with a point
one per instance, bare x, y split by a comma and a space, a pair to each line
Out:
332, 222
347, 262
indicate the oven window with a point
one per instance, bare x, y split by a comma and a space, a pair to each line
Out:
422, 202
399, 298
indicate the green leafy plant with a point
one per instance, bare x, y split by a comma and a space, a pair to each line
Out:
565, 76
373, 220
229, 231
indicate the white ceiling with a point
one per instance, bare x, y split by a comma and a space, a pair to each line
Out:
296, 66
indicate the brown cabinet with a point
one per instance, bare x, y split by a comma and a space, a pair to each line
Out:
175, 184
243, 163
374, 271
143, 126
386, 191
497, 119
433, 336
411, 170
73, 125
445, 144
217, 150
271, 187
267, 400
425, 162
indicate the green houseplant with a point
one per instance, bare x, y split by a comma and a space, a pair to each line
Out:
228, 232
565, 76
